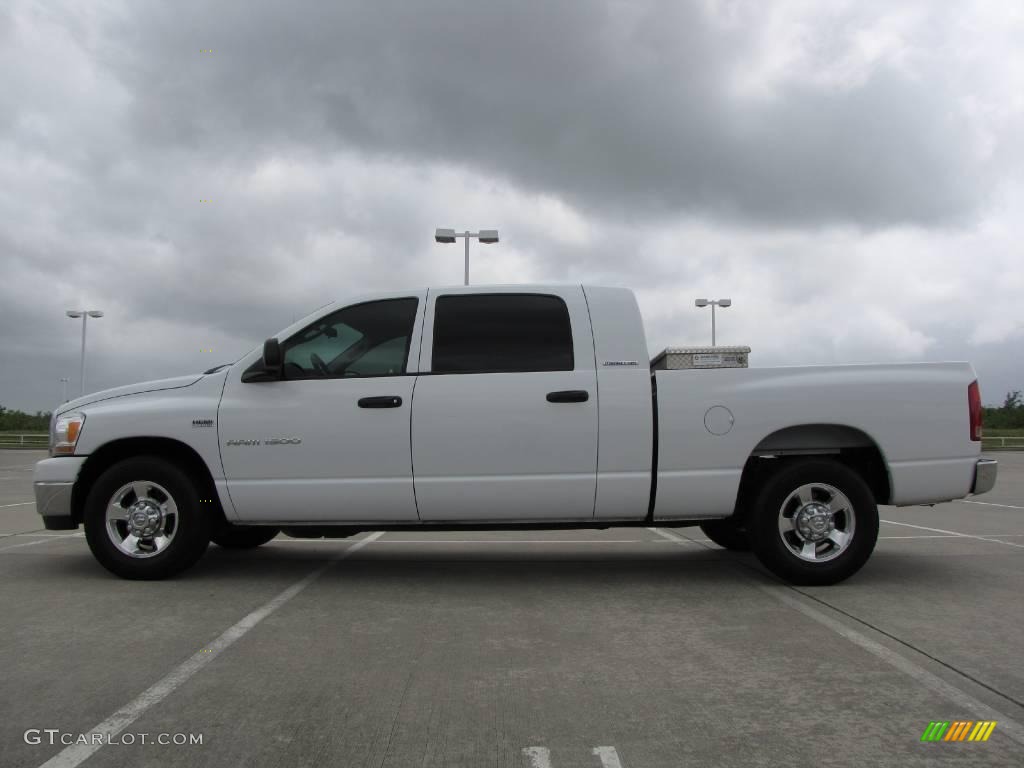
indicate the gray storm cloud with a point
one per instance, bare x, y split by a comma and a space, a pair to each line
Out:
850, 173
620, 107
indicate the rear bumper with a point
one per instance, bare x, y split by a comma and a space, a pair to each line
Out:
985, 472
53, 481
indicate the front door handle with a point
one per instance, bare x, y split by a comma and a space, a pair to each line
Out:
384, 401
569, 396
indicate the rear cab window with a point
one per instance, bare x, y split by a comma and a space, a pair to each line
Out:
501, 333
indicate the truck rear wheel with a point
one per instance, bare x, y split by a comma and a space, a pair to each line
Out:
726, 533
815, 523
143, 519
243, 536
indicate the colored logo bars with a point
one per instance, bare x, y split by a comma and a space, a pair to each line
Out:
959, 730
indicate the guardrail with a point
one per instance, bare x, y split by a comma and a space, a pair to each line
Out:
1002, 443
24, 441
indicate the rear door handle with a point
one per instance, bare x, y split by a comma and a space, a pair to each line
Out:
385, 401
569, 396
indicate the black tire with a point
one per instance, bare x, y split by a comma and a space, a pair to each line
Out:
771, 546
726, 533
191, 527
242, 536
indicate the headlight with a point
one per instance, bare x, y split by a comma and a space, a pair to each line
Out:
66, 429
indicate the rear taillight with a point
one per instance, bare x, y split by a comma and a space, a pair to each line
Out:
974, 406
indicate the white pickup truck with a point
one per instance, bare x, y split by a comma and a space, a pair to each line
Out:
514, 406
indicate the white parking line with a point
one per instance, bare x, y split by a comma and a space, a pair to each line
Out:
539, 757
956, 695
683, 540
987, 504
74, 755
961, 698
609, 757
954, 533
669, 541
470, 541
19, 504
675, 538
514, 541
41, 541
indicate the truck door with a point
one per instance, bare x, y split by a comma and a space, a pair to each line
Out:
330, 441
504, 417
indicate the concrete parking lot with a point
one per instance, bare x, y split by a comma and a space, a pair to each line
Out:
628, 648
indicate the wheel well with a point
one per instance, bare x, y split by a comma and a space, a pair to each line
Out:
847, 445
180, 454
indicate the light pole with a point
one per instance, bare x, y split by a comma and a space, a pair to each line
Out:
64, 381
85, 314
486, 236
713, 303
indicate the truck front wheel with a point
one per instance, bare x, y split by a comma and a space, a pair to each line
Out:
143, 519
815, 523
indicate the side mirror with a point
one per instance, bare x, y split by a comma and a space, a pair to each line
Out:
272, 354
267, 368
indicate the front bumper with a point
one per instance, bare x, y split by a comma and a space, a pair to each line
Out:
53, 481
985, 472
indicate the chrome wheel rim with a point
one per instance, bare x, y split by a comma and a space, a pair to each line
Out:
817, 522
142, 519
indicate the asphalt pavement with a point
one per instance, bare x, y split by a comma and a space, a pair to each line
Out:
627, 648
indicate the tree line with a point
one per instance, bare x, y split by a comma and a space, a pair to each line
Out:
1010, 415
19, 421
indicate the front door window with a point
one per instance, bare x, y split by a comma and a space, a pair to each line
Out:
370, 339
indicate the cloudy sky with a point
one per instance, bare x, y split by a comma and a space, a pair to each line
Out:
851, 174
